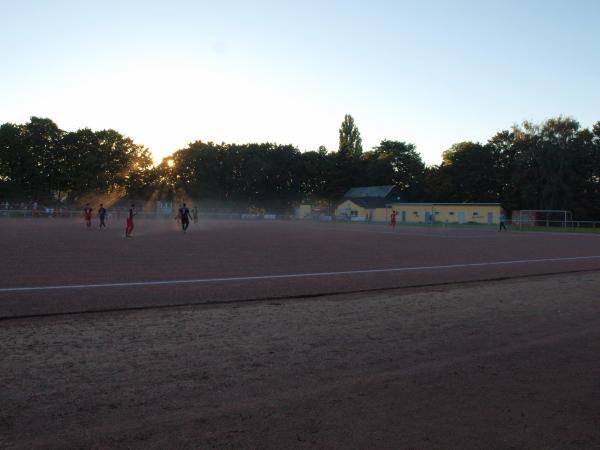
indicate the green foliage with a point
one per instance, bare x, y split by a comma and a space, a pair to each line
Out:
350, 140
397, 163
468, 167
231, 175
553, 165
40, 162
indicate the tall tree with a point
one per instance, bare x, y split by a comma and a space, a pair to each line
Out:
350, 140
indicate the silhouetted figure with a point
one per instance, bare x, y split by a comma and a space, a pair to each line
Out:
87, 214
102, 215
502, 226
129, 226
184, 216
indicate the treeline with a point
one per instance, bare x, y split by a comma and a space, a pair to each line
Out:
277, 177
555, 165
41, 162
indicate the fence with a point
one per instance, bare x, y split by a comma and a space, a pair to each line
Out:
556, 225
114, 214
530, 225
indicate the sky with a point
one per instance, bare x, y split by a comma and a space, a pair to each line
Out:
167, 73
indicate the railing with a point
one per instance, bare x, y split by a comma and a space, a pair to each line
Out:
522, 225
556, 225
113, 214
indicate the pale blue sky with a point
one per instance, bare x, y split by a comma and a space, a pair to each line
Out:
432, 73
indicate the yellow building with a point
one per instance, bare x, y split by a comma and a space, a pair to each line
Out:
482, 213
367, 203
361, 210
376, 203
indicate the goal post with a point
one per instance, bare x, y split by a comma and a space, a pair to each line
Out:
542, 217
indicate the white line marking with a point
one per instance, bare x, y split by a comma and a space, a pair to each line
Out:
409, 233
293, 275
446, 233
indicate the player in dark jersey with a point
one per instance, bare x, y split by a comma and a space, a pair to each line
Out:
184, 216
129, 227
102, 215
87, 214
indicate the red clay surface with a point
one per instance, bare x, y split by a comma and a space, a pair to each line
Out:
495, 364
62, 252
506, 364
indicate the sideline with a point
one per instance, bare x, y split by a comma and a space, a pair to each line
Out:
446, 232
293, 275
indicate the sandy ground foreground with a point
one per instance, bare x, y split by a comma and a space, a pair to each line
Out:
508, 364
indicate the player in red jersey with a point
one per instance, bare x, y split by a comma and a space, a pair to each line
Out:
129, 227
393, 219
87, 214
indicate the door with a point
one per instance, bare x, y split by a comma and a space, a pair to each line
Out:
461, 217
404, 216
490, 219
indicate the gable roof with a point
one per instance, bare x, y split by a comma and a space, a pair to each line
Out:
369, 192
370, 202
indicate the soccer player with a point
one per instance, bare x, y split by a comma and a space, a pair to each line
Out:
393, 219
502, 220
184, 215
129, 227
102, 215
87, 214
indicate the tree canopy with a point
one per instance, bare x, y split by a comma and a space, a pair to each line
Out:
553, 165
39, 161
350, 140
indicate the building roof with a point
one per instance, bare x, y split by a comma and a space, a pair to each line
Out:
369, 203
369, 192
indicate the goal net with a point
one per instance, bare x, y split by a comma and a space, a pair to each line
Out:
542, 217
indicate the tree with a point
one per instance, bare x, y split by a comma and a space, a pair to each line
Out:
398, 163
41, 149
551, 163
471, 172
266, 176
504, 154
13, 162
102, 162
350, 141
317, 167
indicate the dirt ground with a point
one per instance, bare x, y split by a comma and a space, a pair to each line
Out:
51, 253
508, 364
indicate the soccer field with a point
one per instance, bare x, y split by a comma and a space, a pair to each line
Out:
58, 266
275, 335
